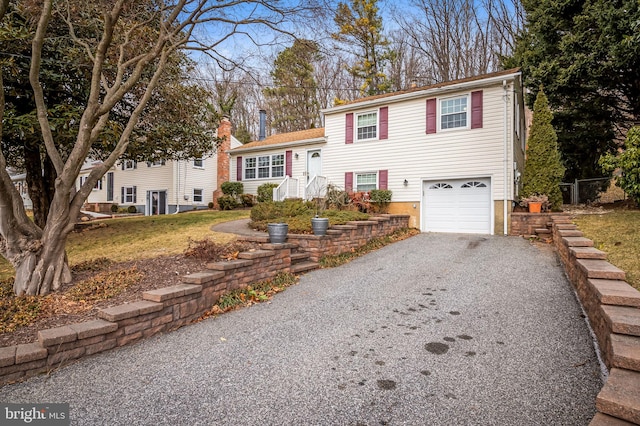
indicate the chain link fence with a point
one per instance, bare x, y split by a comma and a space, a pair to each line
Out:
589, 191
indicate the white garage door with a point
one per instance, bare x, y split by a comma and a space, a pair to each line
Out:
458, 205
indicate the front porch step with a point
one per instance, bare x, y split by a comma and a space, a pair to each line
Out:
620, 396
304, 267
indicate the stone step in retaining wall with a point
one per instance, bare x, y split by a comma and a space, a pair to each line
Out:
613, 309
172, 307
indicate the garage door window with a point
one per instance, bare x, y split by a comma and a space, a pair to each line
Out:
440, 186
473, 184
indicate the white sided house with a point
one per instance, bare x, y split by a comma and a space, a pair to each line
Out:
451, 153
157, 188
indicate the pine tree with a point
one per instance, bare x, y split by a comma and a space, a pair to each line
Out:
360, 27
543, 170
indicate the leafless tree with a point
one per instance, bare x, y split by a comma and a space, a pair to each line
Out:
119, 65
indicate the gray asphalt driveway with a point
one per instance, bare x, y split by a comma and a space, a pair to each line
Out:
434, 330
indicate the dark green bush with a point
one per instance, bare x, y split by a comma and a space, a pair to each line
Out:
132, 209
247, 200
114, 208
210, 205
227, 202
380, 196
265, 192
232, 188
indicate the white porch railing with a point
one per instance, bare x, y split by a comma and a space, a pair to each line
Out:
316, 188
288, 188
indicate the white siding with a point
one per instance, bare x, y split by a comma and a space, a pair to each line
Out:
298, 166
409, 153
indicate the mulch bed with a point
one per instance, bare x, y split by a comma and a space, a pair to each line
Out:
158, 272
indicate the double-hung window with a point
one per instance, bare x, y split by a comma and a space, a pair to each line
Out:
128, 194
367, 126
197, 195
198, 163
264, 166
454, 113
128, 165
366, 181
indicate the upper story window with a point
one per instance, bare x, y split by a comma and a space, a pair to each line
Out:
198, 163
453, 113
97, 186
366, 181
367, 126
128, 165
264, 166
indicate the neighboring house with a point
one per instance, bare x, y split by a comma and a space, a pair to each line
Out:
20, 182
157, 188
451, 153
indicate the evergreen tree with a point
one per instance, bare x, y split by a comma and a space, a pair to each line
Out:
360, 26
293, 99
586, 54
543, 169
628, 162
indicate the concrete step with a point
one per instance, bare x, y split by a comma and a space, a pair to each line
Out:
620, 396
297, 257
626, 351
303, 267
603, 420
622, 319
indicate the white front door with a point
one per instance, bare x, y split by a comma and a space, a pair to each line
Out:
314, 164
457, 205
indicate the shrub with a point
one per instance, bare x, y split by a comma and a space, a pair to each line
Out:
337, 198
360, 200
543, 170
210, 205
114, 208
280, 209
627, 161
380, 199
265, 192
132, 209
211, 251
232, 188
247, 200
227, 202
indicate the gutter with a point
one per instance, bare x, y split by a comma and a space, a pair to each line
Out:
505, 160
241, 149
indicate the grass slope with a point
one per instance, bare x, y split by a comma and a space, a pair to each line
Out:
141, 237
618, 234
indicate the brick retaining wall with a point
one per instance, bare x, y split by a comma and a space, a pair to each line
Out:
613, 309
172, 307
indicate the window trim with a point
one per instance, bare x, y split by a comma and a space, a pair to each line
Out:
126, 199
467, 112
356, 127
201, 201
257, 167
357, 174
201, 166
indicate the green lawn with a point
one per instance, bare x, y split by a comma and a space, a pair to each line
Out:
618, 234
142, 237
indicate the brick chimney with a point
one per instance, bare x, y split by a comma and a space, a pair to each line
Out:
224, 132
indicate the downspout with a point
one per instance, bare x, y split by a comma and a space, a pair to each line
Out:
177, 187
505, 159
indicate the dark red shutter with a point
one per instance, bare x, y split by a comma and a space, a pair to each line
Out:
348, 135
476, 109
238, 169
348, 181
383, 179
431, 115
289, 163
384, 122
